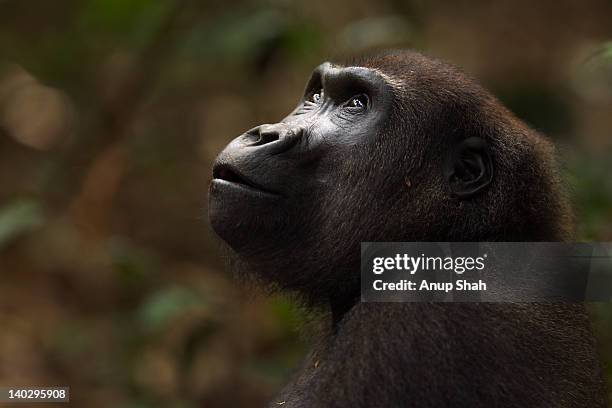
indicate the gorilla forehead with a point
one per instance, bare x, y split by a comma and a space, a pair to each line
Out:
405, 64
427, 82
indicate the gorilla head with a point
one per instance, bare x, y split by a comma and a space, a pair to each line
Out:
396, 147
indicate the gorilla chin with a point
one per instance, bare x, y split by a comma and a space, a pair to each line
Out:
230, 197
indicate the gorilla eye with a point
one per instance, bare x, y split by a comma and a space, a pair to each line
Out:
359, 102
317, 96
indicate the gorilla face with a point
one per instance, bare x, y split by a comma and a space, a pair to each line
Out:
392, 150
275, 183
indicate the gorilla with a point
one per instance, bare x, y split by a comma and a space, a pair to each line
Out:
402, 147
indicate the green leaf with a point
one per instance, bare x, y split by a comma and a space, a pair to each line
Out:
17, 218
163, 306
606, 51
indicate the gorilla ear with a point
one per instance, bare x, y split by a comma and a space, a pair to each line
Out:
470, 168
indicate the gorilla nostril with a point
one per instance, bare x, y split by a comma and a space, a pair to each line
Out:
262, 135
274, 139
266, 137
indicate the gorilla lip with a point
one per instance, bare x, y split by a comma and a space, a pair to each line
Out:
228, 174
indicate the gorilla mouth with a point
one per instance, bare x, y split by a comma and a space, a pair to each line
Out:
228, 174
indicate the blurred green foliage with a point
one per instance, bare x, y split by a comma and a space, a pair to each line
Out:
19, 217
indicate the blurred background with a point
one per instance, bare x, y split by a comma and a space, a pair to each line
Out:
111, 111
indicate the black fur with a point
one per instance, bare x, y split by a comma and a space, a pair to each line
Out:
388, 176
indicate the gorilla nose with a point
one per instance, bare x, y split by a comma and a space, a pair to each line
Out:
275, 138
